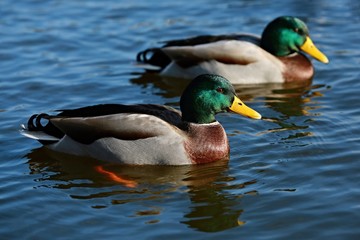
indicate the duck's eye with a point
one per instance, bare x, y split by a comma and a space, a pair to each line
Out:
299, 31
220, 90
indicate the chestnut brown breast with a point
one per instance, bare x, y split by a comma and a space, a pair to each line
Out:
207, 143
297, 68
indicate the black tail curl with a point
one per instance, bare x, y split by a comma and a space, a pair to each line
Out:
34, 124
158, 58
143, 55
36, 118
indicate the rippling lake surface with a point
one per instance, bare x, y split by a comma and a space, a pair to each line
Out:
293, 175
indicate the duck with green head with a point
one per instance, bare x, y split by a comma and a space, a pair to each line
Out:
147, 133
242, 58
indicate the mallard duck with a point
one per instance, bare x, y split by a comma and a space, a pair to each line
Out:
146, 133
241, 58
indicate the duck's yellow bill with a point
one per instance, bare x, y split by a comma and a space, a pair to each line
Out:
312, 50
239, 107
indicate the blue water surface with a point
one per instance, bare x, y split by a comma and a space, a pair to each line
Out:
293, 175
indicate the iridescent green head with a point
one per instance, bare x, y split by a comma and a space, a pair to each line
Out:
286, 35
208, 95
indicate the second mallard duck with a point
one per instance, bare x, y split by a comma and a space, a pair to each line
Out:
241, 58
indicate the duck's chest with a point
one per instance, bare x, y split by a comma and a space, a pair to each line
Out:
207, 143
297, 68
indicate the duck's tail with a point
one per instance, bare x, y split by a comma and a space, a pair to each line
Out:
36, 130
152, 59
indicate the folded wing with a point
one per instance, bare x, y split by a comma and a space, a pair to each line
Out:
124, 126
85, 125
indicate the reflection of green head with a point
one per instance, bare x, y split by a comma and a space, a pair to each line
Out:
284, 35
206, 96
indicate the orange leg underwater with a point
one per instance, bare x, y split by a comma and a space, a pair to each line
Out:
116, 178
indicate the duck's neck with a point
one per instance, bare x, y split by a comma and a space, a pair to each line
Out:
207, 143
197, 115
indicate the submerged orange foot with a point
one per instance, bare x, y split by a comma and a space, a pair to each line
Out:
116, 178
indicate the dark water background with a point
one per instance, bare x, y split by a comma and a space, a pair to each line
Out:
294, 176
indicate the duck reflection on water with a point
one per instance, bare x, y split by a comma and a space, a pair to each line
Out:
211, 208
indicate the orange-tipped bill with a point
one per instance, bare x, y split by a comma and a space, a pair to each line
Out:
312, 50
239, 107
